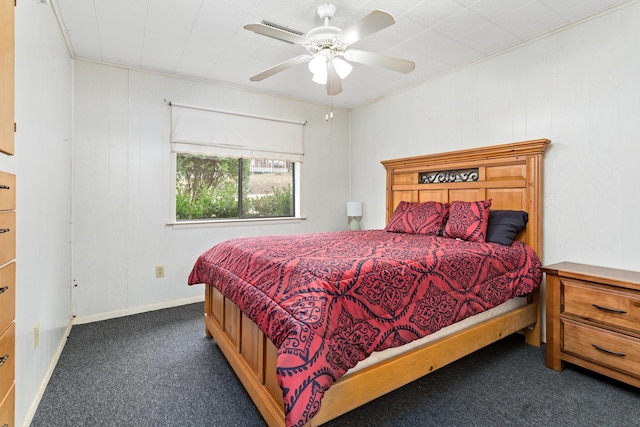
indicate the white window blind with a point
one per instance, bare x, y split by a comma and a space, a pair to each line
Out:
198, 130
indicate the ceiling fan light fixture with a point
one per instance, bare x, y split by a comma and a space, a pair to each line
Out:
318, 64
343, 68
320, 78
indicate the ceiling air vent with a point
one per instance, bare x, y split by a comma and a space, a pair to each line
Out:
282, 28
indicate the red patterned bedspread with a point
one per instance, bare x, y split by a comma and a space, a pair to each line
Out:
328, 300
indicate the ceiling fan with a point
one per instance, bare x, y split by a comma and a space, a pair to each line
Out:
329, 48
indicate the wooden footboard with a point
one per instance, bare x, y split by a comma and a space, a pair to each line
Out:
253, 357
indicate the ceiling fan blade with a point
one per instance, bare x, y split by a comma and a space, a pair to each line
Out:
281, 67
372, 23
379, 60
334, 82
276, 33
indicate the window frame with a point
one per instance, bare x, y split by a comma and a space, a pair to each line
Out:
198, 223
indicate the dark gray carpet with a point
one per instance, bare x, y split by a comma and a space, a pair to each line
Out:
158, 369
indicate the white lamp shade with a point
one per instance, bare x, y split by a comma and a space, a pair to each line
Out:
318, 64
343, 68
354, 208
320, 77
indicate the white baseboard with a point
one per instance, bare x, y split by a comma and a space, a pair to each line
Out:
135, 310
47, 376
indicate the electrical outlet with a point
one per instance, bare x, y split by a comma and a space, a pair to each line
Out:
36, 335
159, 271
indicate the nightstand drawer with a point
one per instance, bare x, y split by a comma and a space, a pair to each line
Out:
7, 295
7, 193
7, 407
7, 237
610, 349
603, 304
7, 359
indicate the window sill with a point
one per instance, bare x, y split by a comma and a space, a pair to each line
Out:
180, 225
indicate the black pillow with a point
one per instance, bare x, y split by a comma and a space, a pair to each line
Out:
505, 225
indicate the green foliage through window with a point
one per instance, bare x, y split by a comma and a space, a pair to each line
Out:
228, 188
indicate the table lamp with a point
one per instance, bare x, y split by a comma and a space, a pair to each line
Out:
354, 212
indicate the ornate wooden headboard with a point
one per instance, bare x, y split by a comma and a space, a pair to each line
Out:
509, 174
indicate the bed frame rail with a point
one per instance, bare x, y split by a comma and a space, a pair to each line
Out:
252, 356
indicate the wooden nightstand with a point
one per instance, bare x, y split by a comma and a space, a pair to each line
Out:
593, 319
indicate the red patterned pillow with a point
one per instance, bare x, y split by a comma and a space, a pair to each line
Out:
468, 220
418, 218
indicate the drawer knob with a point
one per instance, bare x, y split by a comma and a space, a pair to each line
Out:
3, 359
611, 352
609, 310
3, 289
4, 187
4, 230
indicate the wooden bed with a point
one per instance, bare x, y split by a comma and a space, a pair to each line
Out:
509, 174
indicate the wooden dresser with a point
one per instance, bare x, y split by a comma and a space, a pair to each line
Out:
593, 319
7, 218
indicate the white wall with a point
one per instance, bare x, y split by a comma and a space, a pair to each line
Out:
579, 88
121, 185
42, 164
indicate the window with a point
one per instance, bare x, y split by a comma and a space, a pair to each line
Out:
234, 166
211, 187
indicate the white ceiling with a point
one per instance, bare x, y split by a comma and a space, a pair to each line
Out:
204, 39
